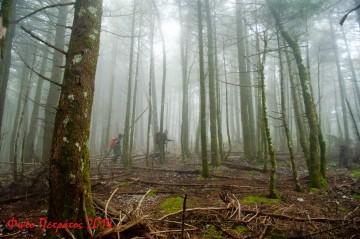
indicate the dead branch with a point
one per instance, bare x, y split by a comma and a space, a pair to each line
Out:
41, 40
41, 9
137, 180
108, 201
141, 201
270, 215
173, 231
101, 204
38, 74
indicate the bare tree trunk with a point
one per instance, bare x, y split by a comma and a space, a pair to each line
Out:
212, 90
341, 82
296, 105
155, 125
245, 92
18, 125
162, 145
285, 123
205, 166
218, 101
226, 105
126, 154
110, 100
34, 115
149, 125
54, 90
185, 88
135, 95
25, 73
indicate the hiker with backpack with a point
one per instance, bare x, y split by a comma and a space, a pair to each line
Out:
115, 145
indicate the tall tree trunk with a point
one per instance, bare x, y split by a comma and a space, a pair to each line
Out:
317, 180
301, 131
54, 90
245, 91
126, 155
111, 98
24, 76
7, 13
226, 105
218, 100
135, 95
162, 145
149, 124
34, 115
69, 182
17, 133
204, 157
285, 123
262, 152
261, 63
155, 125
351, 64
20, 119
341, 82
185, 88
212, 90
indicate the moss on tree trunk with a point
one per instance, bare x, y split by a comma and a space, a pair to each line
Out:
272, 189
70, 190
317, 180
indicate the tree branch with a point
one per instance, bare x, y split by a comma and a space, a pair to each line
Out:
345, 16
46, 43
38, 74
43, 8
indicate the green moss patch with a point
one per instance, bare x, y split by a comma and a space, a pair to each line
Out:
257, 199
241, 229
174, 204
152, 193
212, 233
355, 174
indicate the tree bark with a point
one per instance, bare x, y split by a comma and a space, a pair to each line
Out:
185, 89
7, 33
70, 196
245, 92
212, 90
161, 130
204, 157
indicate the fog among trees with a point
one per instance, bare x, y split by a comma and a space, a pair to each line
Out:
199, 81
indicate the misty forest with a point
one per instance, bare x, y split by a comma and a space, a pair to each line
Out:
179, 119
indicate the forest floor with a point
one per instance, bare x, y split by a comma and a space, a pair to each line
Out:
232, 203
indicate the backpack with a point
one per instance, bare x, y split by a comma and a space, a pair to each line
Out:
113, 141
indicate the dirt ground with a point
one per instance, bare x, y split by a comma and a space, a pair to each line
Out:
148, 202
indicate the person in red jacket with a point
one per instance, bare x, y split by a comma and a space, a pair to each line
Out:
115, 145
